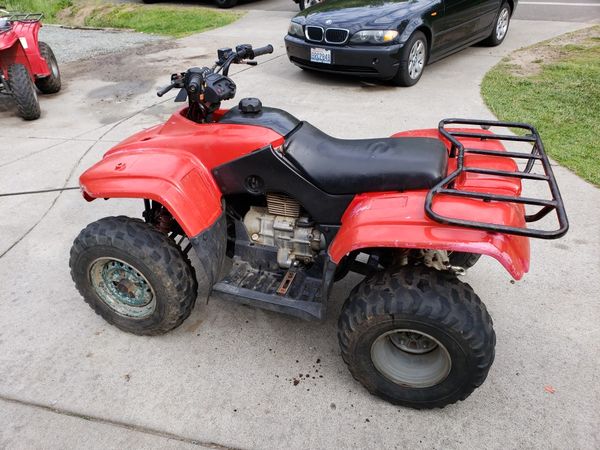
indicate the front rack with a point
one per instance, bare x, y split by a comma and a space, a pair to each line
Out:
457, 150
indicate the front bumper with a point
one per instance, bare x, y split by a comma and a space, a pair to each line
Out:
366, 61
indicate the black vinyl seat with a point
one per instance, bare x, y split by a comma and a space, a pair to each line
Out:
339, 166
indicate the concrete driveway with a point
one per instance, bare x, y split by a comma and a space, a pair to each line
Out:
224, 379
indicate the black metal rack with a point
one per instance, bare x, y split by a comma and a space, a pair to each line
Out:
537, 155
22, 17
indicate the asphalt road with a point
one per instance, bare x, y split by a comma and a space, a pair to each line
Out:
224, 379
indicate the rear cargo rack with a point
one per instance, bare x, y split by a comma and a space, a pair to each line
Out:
22, 17
536, 156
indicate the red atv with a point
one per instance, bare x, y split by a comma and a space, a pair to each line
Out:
26, 63
277, 211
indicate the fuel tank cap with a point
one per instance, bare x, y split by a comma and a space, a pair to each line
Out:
250, 105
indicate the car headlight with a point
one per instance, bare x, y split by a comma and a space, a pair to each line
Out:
374, 36
296, 29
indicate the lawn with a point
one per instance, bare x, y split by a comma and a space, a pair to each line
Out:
157, 19
554, 85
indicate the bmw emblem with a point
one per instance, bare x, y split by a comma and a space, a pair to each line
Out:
328, 22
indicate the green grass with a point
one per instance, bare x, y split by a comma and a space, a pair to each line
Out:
165, 20
49, 7
562, 100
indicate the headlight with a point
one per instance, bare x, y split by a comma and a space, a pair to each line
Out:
296, 29
374, 36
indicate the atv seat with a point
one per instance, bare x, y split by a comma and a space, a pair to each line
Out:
339, 166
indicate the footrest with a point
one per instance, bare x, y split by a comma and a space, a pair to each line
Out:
263, 289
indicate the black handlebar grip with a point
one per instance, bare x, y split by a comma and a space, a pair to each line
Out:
194, 83
164, 90
262, 50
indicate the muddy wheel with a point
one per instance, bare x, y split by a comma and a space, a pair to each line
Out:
418, 337
51, 83
132, 275
23, 92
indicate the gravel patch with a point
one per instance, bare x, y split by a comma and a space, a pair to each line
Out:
72, 45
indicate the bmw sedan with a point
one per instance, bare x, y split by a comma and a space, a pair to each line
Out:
392, 39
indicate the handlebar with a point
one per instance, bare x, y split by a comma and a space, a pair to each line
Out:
261, 51
164, 90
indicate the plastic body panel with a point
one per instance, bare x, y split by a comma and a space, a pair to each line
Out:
398, 219
19, 45
172, 164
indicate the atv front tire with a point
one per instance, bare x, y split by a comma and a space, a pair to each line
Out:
50, 84
133, 275
23, 91
418, 337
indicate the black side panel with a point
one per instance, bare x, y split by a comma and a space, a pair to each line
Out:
210, 247
277, 120
264, 171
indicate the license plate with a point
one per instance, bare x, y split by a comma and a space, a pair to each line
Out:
320, 55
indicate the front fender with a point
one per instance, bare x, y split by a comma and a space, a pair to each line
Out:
398, 220
175, 179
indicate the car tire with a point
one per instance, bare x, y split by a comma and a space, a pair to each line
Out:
501, 25
133, 276
226, 3
417, 337
412, 60
303, 4
50, 84
23, 92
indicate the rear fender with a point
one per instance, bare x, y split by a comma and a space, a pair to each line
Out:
175, 179
398, 220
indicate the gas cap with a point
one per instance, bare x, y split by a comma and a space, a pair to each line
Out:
250, 105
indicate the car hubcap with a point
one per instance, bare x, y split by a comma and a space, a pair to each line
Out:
123, 288
411, 358
416, 59
502, 24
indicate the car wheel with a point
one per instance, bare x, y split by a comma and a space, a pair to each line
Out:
412, 60
500, 27
226, 3
308, 3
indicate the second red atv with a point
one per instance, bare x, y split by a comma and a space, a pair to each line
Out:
277, 211
25, 63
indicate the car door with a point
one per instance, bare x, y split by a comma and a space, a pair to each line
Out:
459, 24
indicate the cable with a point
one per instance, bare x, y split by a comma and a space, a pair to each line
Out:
41, 191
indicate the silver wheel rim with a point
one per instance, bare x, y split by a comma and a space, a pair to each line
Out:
502, 24
416, 59
122, 288
411, 358
54, 68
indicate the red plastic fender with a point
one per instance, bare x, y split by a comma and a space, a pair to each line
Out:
398, 220
20, 46
172, 178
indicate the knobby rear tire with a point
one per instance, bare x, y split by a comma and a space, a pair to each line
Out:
427, 301
50, 84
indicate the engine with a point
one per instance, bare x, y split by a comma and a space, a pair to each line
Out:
280, 225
